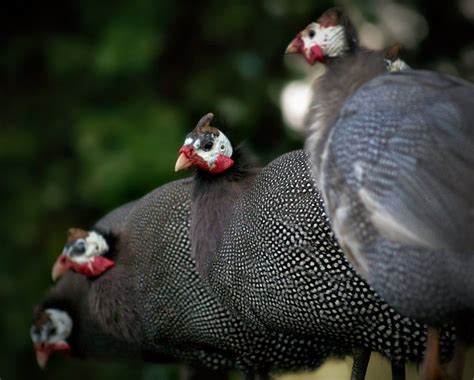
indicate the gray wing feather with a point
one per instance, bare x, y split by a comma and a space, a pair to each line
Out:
415, 175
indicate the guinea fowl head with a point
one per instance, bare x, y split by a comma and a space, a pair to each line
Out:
331, 36
49, 332
206, 148
83, 253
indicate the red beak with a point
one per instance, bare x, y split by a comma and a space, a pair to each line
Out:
60, 267
295, 46
184, 161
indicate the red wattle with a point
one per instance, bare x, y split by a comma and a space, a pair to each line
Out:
50, 347
61, 346
94, 268
314, 54
222, 164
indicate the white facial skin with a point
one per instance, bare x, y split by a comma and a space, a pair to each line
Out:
84, 249
331, 39
55, 332
221, 146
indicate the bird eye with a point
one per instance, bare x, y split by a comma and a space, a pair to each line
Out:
52, 331
208, 145
79, 247
311, 33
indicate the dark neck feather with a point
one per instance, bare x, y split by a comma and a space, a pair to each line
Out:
68, 295
112, 297
244, 164
102, 326
213, 198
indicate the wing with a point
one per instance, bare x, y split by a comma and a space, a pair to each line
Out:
410, 157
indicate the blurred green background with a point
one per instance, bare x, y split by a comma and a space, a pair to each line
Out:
97, 96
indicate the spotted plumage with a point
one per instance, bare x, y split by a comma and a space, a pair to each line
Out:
154, 303
180, 312
405, 180
393, 156
279, 267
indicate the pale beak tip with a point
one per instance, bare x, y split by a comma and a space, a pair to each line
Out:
182, 163
41, 359
291, 48
58, 270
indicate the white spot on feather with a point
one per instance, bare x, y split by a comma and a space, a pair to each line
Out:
358, 170
346, 238
386, 223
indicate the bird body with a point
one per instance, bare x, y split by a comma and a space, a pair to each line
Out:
400, 191
184, 315
394, 157
278, 266
153, 305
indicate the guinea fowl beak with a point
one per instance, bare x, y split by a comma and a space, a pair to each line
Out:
182, 163
42, 357
295, 46
59, 268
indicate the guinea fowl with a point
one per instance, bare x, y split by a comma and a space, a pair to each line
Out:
179, 311
277, 264
153, 300
209, 150
105, 306
394, 156
65, 323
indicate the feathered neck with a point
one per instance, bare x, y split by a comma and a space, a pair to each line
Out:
343, 77
213, 199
